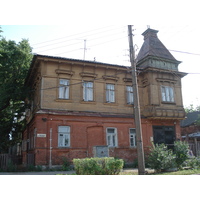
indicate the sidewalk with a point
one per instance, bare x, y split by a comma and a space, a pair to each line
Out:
38, 173
56, 172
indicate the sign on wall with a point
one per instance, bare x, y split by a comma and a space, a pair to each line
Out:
41, 135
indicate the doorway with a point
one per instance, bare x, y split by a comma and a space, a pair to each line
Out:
164, 134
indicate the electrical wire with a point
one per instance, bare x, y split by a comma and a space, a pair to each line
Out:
196, 54
75, 38
92, 45
78, 83
78, 43
69, 36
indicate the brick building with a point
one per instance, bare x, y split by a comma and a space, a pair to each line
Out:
190, 131
84, 109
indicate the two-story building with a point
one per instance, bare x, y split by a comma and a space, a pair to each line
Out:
84, 109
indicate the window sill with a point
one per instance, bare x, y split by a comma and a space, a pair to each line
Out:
88, 102
111, 104
64, 100
168, 102
135, 147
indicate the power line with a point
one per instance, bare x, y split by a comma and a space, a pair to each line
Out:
81, 82
74, 37
78, 42
68, 36
196, 54
92, 45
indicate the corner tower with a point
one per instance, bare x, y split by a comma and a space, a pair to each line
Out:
160, 89
154, 54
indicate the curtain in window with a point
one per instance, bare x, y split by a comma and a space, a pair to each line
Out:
111, 137
167, 94
129, 93
110, 93
88, 91
64, 89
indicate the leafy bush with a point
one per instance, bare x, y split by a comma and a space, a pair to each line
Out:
98, 166
181, 150
193, 163
161, 158
65, 164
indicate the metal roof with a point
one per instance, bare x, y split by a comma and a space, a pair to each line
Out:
152, 46
190, 119
79, 60
193, 135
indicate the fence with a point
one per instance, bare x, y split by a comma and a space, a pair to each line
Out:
30, 159
6, 160
195, 147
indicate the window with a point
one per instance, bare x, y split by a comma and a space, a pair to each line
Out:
110, 93
167, 94
132, 135
111, 137
88, 91
129, 94
63, 136
64, 89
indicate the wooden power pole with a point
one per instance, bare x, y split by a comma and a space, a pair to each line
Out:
140, 151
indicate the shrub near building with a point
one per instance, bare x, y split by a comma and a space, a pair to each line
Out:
161, 158
98, 166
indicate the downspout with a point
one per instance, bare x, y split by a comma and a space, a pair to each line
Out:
41, 93
50, 149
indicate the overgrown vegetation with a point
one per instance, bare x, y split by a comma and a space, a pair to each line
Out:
15, 60
66, 164
181, 150
98, 166
161, 158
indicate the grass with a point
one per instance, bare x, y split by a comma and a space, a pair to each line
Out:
180, 172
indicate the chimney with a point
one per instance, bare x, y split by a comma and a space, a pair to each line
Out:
150, 33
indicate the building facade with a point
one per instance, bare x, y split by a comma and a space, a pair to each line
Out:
84, 109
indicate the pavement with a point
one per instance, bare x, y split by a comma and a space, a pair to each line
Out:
58, 172
38, 173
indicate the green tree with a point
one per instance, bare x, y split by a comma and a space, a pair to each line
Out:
15, 60
191, 108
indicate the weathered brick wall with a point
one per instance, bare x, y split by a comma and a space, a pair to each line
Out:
87, 132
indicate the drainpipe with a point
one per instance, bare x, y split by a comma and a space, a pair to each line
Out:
50, 149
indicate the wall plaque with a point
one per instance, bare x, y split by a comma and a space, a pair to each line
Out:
41, 135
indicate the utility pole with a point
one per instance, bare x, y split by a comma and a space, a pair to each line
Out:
140, 151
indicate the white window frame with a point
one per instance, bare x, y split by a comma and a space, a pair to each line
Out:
132, 137
88, 91
63, 136
63, 89
110, 93
111, 137
167, 93
129, 95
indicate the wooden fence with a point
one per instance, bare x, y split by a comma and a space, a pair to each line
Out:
195, 147
6, 160
30, 159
